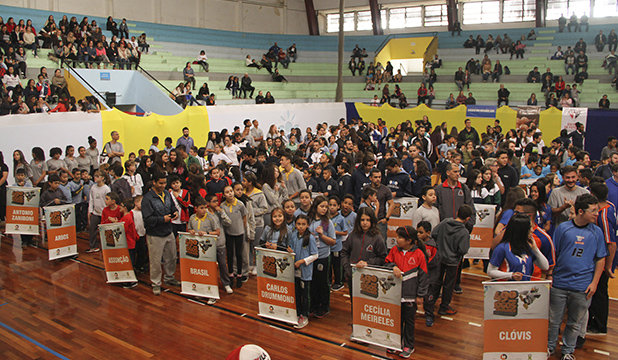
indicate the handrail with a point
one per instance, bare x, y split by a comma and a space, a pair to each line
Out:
435, 38
405, 73
153, 78
64, 62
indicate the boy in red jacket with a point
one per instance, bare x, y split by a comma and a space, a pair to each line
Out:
130, 232
111, 212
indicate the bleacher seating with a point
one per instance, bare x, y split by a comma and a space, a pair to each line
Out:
313, 76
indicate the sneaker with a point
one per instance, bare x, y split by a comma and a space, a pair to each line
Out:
228, 289
337, 287
391, 351
429, 322
211, 301
568, 356
448, 311
254, 272
580, 343
156, 290
593, 332
172, 282
90, 251
458, 290
406, 352
318, 314
549, 353
302, 322
130, 285
244, 279
239, 282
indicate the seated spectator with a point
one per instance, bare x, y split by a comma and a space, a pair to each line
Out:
558, 55
397, 78
283, 58
534, 76
532, 101
480, 43
292, 53
531, 35
259, 99
560, 87
112, 26
450, 102
202, 59
612, 40
59, 85
470, 100
459, 75
583, 22
610, 62
361, 67
461, 98
29, 38
575, 95
498, 44
436, 62
561, 23
269, 99
142, 44
189, 74
252, 63
546, 73
600, 40
495, 75
519, 50
551, 101
486, 70
604, 102
235, 87
20, 62
506, 44
581, 62
278, 77
467, 79
431, 95
580, 46
375, 101
352, 66
565, 101
489, 43
456, 27
422, 94
569, 62
547, 86
573, 23
211, 100
503, 95
470, 43
267, 64
203, 93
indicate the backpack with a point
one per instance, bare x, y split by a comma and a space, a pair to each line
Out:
507, 71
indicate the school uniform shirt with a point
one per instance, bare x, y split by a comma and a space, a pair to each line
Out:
27, 184
235, 211
307, 253
38, 169
136, 183
182, 203
121, 187
329, 230
107, 213
607, 222
77, 191
504, 259
130, 230
345, 184
210, 222
349, 221
55, 164
422, 213
365, 247
232, 153
271, 235
340, 225
84, 163
546, 246
138, 220
577, 248
413, 265
543, 216
216, 158
71, 164
66, 190
399, 183
360, 179
330, 186
312, 185
299, 211
96, 198
260, 206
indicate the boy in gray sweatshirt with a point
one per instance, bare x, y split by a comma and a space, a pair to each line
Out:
453, 241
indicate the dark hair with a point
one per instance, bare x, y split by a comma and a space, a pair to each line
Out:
529, 203
584, 201
346, 167
91, 140
336, 198
128, 203
20, 171
425, 190
568, 169
117, 169
422, 169
540, 187
55, 151
516, 234
114, 197
600, 190
38, 153
348, 196
471, 182
409, 233
373, 230
173, 178
199, 201
209, 197
306, 236
158, 176
53, 178
283, 230
367, 192
465, 211
425, 225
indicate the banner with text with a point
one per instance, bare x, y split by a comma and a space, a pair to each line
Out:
199, 274
275, 283
22, 210
516, 320
401, 216
61, 234
118, 266
376, 310
573, 115
481, 111
483, 232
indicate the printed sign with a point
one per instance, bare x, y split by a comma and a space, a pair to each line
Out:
516, 319
573, 115
528, 115
22, 210
199, 273
481, 111
118, 266
483, 232
61, 234
401, 216
376, 310
275, 283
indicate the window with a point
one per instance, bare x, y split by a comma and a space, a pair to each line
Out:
332, 22
397, 18
414, 17
555, 8
436, 15
363, 20
405, 17
483, 12
383, 17
518, 10
604, 8
580, 7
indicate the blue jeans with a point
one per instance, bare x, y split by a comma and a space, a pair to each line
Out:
576, 304
383, 228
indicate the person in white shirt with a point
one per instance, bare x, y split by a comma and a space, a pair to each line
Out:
232, 151
257, 133
203, 60
218, 156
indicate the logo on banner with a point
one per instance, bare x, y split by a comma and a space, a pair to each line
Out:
506, 303
56, 218
270, 264
371, 284
193, 247
482, 214
18, 197
112, 236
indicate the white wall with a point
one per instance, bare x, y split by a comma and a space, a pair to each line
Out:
260, 16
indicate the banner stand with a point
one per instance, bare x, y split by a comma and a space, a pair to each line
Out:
199, 272
118, 266
61, 232
276, 285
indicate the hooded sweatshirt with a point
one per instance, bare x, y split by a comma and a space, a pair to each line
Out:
453, 241
366, 247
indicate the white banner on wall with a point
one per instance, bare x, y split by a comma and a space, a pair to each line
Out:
284, 116
572, 115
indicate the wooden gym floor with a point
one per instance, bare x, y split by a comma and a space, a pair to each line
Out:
64, 309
